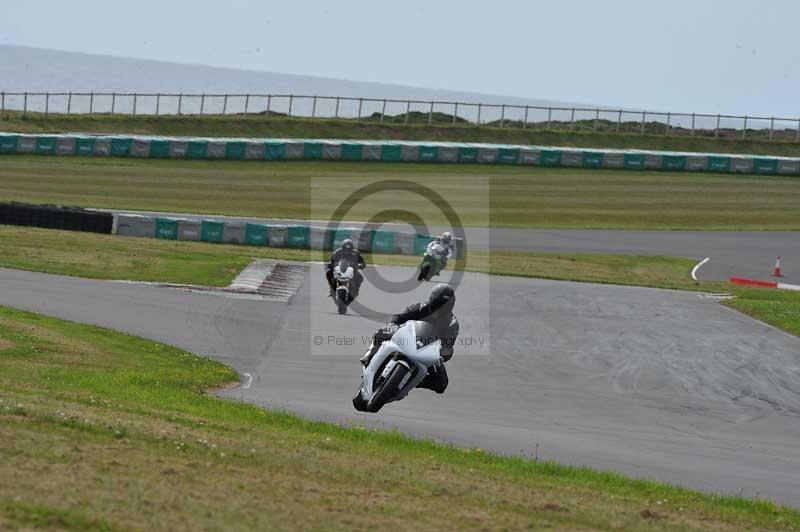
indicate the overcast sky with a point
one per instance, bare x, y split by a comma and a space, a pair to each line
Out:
736, 56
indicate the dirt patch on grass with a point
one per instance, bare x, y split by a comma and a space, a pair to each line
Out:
5, 344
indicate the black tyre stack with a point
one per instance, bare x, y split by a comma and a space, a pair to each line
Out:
56, 217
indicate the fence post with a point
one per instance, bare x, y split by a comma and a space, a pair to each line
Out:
3, 102
525, 120
25, 105
644, 121
158, 103
744, 131
771, 127
180, 104
202, 104
360, 107
314, 108
797, 135
716, 130
693, 124
549, 118
246, 104
383, 111
47, 105
666, 131
113, 102
269, 105
408, 110
91, 103
134, 103
572, 120
336, 113
596, 118
503, 115
225, 105
430, 115
619, 120
455, 113
479, 114
291, 103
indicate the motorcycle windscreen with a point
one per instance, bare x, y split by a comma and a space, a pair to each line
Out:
344, 270
425, 333
427, 343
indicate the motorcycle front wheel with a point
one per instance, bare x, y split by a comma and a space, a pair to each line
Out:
341, 302
358, 402
388, 389
423, 273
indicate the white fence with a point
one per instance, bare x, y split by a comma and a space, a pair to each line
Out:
395, 111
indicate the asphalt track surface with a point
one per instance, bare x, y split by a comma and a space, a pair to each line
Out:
748, 254
656, 384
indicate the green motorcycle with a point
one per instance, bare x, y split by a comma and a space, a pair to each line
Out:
433, 262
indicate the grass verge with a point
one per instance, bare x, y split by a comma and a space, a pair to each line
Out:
499, 196
277, 127
779, 308
104, 431
95, 256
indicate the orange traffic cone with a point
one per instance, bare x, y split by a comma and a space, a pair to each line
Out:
776, 272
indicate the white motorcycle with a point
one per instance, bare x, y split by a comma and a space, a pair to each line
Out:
343, 274
398, 366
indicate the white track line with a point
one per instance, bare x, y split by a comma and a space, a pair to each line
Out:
248, 380
698, 266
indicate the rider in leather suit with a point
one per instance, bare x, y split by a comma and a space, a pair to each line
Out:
438, 311
351, 254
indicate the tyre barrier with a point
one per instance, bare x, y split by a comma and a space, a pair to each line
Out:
56, 217
278, 236
391, 151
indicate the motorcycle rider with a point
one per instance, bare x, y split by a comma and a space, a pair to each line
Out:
348, 252
438, 311
446, 241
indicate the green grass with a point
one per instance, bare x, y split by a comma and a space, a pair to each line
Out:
103, 431
776, 307
95, 256
277, 127
481, 195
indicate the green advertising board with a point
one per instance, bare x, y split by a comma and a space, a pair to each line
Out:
167, 228
391, 153
297, 236
256, 235
383, 242
211, 231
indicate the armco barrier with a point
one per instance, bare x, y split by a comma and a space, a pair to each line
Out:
294, 236
234, 233
136, 225
56, 217
390, 151
189, 230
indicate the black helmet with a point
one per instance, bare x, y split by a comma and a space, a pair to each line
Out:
442, 297
348, 244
